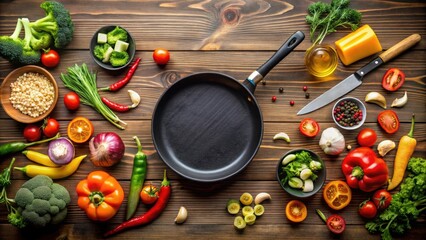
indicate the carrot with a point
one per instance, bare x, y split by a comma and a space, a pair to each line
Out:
406, 147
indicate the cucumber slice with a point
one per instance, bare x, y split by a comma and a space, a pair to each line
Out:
250, 219
247, 210
102, 38
246, 198
121, 46
107, 55
239, 223
259, 210
233, 206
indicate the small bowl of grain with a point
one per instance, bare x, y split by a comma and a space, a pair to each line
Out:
29, 94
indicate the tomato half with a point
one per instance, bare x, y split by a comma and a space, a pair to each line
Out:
50, 58
336, 224
149, 194
367, 137
309, 127
161, 56
393, 79
367, 209
337, 194
382, 199
72, 101
50, 127
389, 121
296, 211
32, 132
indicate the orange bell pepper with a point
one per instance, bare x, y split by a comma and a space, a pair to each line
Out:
100, 195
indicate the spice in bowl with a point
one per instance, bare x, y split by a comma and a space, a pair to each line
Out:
32, 94
349, 113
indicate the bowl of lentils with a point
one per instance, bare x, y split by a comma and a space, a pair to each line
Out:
29, 94
349, 113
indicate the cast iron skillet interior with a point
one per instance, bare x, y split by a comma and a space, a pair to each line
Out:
206, 126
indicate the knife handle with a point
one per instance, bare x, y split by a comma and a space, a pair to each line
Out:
400, 47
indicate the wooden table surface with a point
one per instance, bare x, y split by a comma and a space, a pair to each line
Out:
231, 37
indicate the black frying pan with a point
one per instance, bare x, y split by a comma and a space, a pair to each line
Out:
208, 127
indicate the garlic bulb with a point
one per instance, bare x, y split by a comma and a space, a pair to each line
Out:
332, 141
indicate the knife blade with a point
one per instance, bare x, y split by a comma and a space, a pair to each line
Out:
354, 80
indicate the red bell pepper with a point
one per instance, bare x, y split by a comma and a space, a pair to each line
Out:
364, 170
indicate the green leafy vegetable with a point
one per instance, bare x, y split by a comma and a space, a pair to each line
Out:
406, 205
303, 161
82, 81
14, 217
116, 34
325, 18
118, 59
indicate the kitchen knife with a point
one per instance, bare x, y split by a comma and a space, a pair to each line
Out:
354, 80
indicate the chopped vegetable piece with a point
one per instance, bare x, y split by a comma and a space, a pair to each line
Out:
296, 211
121, 46
259, 210
102, 38
239, 223
233, 206
246, 198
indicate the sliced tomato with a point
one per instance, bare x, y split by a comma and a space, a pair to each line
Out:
388, 121
393, 79
309, 127
336, 224
296, 211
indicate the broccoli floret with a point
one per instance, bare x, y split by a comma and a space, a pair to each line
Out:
29, 55
57, 22
40, 40
117, 34
42, 202
100, 50
118, 59
11, 46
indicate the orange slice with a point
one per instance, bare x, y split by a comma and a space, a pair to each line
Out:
80, 129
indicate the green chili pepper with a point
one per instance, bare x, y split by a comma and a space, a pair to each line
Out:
13, 147
137, 180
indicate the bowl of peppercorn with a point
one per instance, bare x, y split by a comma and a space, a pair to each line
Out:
349, 113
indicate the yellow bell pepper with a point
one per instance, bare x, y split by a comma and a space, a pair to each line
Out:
357, 45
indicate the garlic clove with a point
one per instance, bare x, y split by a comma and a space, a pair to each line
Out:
376, 98
181, 216
283, 136
135, 98
385, 146
399, 102
262, 197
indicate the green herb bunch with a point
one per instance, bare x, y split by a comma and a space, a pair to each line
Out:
406, 205
325, 18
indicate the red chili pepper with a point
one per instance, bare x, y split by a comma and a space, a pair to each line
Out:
121, 83
151, 214
115, 106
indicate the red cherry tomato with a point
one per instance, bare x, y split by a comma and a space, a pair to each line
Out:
389, 121
50, 127
149, 194
72, 101
50, 58
309, 127
32, 132
336, 224
367, 209
367, 137
161, 56
382, 199
393, 79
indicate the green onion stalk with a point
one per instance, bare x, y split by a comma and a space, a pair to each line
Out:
83, 82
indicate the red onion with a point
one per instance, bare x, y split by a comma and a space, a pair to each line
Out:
61, 151
106, 149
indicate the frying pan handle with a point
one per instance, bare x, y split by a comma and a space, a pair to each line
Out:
291, 43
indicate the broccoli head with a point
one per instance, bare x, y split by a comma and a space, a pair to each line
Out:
11, 47
57, 22
29, 55
40, 40
118, 59
41, 202
116, 34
